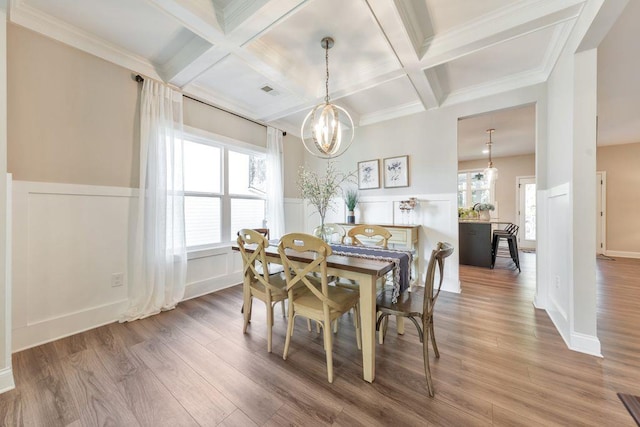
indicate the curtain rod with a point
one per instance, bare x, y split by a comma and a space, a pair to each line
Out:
140, 79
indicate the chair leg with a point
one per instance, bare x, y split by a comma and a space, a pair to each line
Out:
378, 328
247, 314
425, 354
433, 339
269, 326
287, 340
283, 312
328, 348
356, 320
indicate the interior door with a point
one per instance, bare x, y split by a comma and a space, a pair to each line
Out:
526, 195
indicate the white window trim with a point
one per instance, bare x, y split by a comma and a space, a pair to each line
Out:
492, 186
225, 143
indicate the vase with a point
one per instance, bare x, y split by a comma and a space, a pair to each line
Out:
351, 217
484, 215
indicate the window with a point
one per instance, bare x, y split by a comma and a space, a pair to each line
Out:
225, 190
473, 188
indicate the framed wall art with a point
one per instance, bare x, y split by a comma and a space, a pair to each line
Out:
369, 174
396, 172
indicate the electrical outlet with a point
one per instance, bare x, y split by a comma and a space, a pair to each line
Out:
557, 282
117, 279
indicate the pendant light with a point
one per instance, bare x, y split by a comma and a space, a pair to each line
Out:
323, 133
490, 173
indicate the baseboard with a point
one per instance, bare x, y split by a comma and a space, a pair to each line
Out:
583, 343
203, 287
623, 254
56, 328
6, 380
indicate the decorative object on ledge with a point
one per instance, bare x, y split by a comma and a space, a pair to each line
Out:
351, 200
406, 209
369, 174
396, 172
320, 190
490, 173
327, 131
483, 210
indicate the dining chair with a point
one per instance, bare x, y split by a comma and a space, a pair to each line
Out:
333, 233
269, 289
323, 304
418, 307
368, 233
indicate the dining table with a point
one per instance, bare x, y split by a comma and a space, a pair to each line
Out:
356, 266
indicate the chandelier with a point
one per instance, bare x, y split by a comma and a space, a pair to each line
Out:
490, 173
327, 131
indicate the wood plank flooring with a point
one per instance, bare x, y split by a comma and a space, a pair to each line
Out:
502, 363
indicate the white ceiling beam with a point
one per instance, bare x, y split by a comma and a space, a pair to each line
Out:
507, 23
404, 35
198, 17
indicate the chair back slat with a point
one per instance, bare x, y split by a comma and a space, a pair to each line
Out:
250, 260
370, 232
295, 274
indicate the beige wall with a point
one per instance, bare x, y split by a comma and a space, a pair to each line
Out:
621, 164
73, 118
508, 168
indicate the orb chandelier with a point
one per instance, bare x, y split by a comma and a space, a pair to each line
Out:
327, 131
490, 173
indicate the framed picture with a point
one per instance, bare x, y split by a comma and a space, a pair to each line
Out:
369, 174
396, 172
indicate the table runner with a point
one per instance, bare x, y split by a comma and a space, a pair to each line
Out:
401, 259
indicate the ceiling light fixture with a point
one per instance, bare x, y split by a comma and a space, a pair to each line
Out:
490, 173
323, 134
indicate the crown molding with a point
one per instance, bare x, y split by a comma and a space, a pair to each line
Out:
558, 42
26, 16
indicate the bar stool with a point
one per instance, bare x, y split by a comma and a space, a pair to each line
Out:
510, 234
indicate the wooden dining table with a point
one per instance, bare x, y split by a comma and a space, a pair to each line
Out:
366, 272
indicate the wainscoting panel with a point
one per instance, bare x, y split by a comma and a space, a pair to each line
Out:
559, 280
68, 241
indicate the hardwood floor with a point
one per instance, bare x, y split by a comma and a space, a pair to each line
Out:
502, 363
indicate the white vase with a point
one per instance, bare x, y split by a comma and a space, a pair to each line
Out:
484, 215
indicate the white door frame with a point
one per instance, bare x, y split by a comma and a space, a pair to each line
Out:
519, 218
601, 216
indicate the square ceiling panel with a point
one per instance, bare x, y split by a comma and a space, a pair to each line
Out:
134, 25
383, 97
512, 57
445, 15
234, 80
293, 46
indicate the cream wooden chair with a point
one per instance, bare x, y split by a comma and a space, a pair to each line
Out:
418, 307
258, 283
370, 232
324, 304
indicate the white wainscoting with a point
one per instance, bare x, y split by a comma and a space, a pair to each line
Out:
68, 240
558, 250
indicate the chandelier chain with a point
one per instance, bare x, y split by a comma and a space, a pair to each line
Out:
326, 59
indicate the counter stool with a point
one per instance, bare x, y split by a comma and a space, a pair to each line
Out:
510, 234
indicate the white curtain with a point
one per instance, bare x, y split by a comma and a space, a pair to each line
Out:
275, 183
158, 258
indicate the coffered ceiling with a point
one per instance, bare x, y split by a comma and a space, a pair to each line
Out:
391, 58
